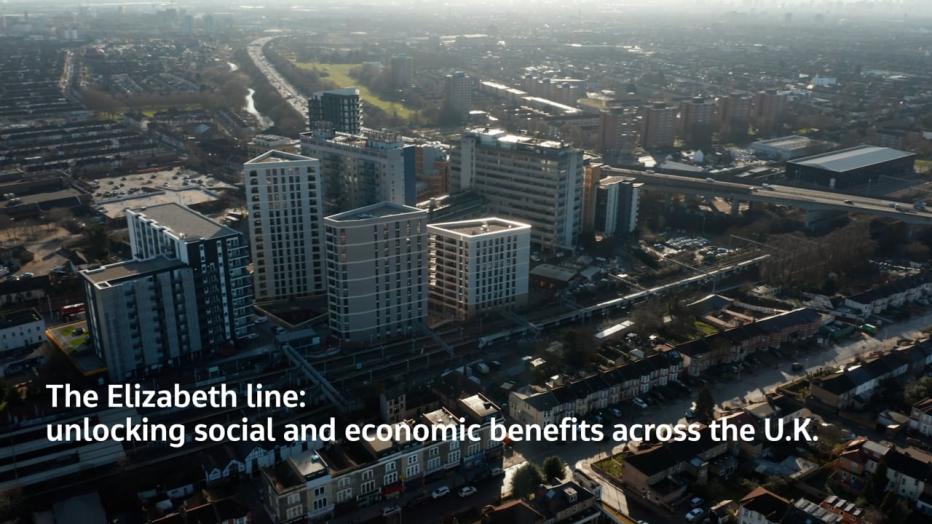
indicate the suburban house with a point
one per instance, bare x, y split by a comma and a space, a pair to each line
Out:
856, 383
576, 399
736, 344
762, 506
892, 294
920, 417
662, 473
858, 461
909, 474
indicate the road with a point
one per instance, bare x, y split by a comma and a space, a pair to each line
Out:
808, 199
488, 492
751, 385
287, 91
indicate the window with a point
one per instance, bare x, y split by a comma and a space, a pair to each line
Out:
320, 504
390, 478
453, 457
344, 494
294, 498
412, 459
412, 470
293, 512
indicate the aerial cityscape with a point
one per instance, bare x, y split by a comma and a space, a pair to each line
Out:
466, 262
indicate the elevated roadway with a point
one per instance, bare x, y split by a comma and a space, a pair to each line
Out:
812, 200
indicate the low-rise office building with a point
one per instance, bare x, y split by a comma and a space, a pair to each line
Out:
19, 329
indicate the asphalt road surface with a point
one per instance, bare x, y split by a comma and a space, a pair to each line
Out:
750, 385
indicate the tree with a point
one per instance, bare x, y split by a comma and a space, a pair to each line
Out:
554, 468
98, 241
876, 485
578, 348
918, 390
705, 406
525, 480
647, 318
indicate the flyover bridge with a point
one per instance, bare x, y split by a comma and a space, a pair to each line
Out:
811, 200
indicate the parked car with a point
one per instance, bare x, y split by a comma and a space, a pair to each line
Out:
695, 502
616, 412
496, 472
690, 413
390, 510
796, 366
467, 491
261, 319
442, 491
639, 403
695, 515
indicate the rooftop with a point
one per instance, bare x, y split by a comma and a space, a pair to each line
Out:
185, 222
344, 91
375, 211
275, 156
112, 274
791, 142
18, 318
852, 158
502, 139
479, 226
479, 407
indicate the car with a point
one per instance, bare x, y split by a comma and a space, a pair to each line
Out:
28, 275
390, 510
497, 472
695, 515
695, 502
849, 202
442, 491
616, 412
466, 491
796, 366
639, 403
261, 319
690, 413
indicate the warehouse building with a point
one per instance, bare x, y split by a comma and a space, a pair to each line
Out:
850, 167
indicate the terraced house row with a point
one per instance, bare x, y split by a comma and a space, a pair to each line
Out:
735, 345
343, 476
596, 392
